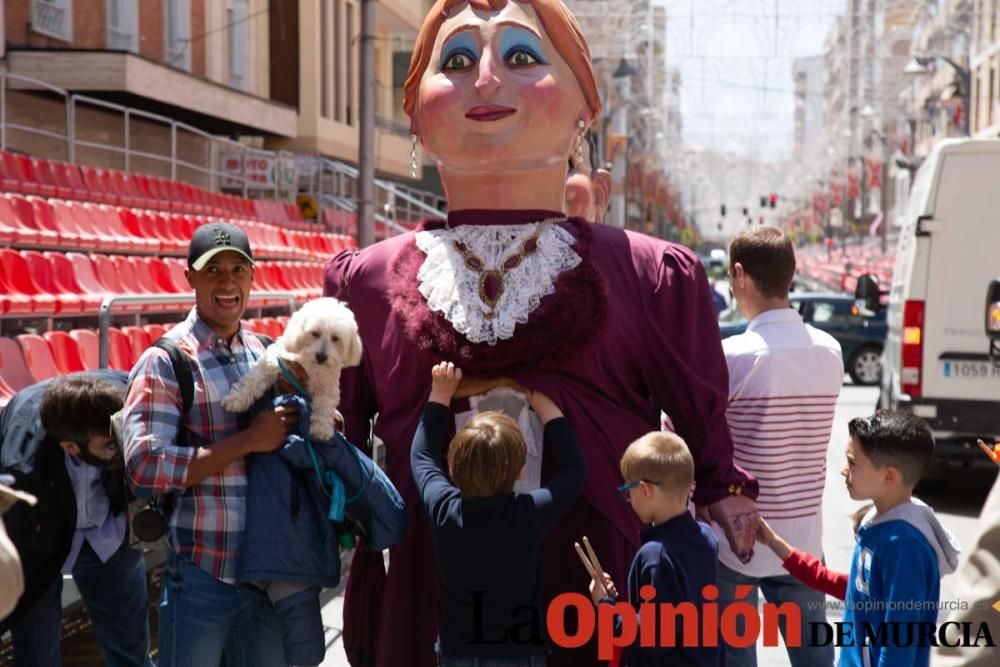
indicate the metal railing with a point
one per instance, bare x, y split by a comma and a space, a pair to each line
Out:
104, 318
224, 163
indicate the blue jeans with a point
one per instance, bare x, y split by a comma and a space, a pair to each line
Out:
777, 590
458, 661
200, 617
117, 602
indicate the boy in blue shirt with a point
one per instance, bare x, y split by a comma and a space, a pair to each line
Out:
679, 555
902, 549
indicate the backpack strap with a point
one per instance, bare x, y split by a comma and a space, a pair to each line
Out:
182, 368
182, 371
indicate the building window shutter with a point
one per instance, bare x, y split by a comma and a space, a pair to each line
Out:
178, 29
123, 25
239, 33
53, 18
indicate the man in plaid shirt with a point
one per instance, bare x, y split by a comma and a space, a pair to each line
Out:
198, 458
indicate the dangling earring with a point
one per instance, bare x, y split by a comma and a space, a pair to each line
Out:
414, 166
580, 141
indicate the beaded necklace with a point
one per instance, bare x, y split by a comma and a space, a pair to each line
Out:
491, 281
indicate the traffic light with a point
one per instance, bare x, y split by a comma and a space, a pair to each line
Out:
763, 202
746, 211
720, 226
722, 210
774, 200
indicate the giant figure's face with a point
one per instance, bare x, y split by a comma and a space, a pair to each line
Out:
496, 95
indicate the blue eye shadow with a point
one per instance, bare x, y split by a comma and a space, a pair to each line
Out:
514, 38
463, 43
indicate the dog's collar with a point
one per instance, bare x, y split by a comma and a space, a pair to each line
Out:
291, 379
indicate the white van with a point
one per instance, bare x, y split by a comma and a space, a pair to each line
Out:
936, 360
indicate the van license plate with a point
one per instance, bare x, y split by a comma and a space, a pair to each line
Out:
969, 370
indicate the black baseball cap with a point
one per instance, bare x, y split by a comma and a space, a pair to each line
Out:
214, 237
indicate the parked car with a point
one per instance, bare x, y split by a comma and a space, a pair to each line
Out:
937, 361
861, 333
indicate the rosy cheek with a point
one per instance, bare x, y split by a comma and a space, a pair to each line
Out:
438, 98
546, 96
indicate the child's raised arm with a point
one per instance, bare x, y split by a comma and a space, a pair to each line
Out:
571, 468
426, 466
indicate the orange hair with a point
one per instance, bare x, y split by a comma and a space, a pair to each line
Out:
559, 24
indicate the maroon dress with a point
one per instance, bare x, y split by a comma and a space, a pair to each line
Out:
629, 331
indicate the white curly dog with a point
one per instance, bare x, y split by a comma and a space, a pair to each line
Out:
322, 337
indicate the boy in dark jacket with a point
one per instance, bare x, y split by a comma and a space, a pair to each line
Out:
679, 555
57, 444
487, 537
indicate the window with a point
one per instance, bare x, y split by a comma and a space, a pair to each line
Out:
828, 311
238, 19
53, 18
178, 29
123, 25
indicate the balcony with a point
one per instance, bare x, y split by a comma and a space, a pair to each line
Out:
152, 84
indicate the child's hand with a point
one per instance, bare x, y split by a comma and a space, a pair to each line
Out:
444, 381
767, 536
596, 593
543, 406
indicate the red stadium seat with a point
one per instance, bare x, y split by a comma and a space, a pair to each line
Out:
68, 216
155, 332
87, 342
23, 214
69, 180
18, 281
38, 357
66, 352
98, 182
138, 339
162, 277
14, 370
45, 219
120, 354
45, 177
76, 276
41, 273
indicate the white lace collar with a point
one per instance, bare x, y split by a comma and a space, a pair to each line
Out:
462, 277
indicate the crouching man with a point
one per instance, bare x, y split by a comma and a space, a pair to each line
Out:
56, 443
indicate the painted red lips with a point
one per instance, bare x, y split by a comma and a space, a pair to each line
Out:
489, 112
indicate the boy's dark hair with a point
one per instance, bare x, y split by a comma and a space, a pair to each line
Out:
486, 456
768, 257
73, 409
895, 438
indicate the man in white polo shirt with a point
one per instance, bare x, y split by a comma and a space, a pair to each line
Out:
784, 379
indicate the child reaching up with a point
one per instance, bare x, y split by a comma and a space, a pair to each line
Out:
486, 537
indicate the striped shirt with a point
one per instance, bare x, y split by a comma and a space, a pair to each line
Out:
784, 380
206, 520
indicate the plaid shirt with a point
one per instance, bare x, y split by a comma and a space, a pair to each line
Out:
206, 520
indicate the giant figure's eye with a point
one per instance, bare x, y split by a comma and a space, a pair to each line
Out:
521, 58
460, 60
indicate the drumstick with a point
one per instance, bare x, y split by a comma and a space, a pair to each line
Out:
989, 451
596, 576
593, 556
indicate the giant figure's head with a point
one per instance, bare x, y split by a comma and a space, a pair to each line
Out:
500, 85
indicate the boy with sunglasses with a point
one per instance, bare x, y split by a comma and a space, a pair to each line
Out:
679, 554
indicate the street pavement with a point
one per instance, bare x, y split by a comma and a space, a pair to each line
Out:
957, 502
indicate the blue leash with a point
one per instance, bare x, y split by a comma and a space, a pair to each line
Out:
337, 494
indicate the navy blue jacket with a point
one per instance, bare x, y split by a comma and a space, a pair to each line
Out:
288, 536
678, 557
486, 549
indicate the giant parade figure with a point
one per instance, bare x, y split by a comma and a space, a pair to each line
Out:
614, 326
